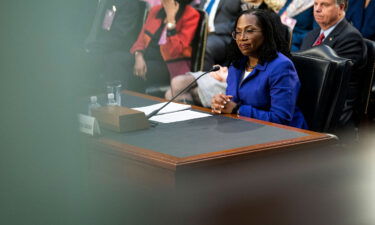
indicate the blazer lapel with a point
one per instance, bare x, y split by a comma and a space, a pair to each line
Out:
253, 73
239, 73
314, 36
220, 5
338, 29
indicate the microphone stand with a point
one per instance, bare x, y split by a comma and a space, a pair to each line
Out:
153, 113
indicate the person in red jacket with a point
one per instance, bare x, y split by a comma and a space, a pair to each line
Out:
163, 48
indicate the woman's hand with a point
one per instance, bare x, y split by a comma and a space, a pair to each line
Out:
140, 67
222, 103
171, 8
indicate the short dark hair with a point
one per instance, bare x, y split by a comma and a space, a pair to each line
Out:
343, 2
272, 43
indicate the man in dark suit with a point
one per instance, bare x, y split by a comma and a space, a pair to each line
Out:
222, 14
115, 27
341, 36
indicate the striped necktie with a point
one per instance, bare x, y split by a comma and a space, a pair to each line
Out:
319, 40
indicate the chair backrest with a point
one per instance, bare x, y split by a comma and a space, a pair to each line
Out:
324, 80
367, 77
199, 43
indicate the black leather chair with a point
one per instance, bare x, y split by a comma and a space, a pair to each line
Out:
324, 80
197, 58
367, 104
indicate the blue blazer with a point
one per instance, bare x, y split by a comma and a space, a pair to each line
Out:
361, 18
269, 93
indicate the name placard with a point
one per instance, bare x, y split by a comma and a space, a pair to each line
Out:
88, 125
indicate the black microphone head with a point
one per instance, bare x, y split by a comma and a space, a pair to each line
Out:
215, 68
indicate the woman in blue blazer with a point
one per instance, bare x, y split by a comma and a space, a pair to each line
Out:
262, 82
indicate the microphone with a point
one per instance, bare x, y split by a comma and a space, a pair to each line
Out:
153, 113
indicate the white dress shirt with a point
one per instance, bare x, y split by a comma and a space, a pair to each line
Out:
211, 16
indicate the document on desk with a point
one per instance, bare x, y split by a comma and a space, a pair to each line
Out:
172, 107
179, 116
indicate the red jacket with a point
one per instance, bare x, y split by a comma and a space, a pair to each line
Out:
178, 45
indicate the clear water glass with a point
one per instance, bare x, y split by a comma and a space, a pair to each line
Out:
114, 87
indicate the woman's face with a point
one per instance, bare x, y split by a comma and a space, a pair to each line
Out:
248, 35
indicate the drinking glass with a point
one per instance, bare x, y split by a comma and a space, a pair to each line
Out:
115, 88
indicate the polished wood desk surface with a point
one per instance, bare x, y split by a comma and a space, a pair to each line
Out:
163, 150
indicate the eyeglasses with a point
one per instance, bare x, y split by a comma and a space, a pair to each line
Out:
246, 33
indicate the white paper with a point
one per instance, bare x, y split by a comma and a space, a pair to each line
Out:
172, 107
179, 116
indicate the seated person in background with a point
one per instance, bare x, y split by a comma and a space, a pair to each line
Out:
262, 82
206, 87
298, 16
361, 13
163, 48
273, 6
221, 14
335, 31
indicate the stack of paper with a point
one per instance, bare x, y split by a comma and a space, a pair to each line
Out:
173, 112
172, 107
179, 116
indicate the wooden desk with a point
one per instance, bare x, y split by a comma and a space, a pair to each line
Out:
174, 162
185, 178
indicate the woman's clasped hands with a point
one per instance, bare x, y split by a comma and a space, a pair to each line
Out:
222, 103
